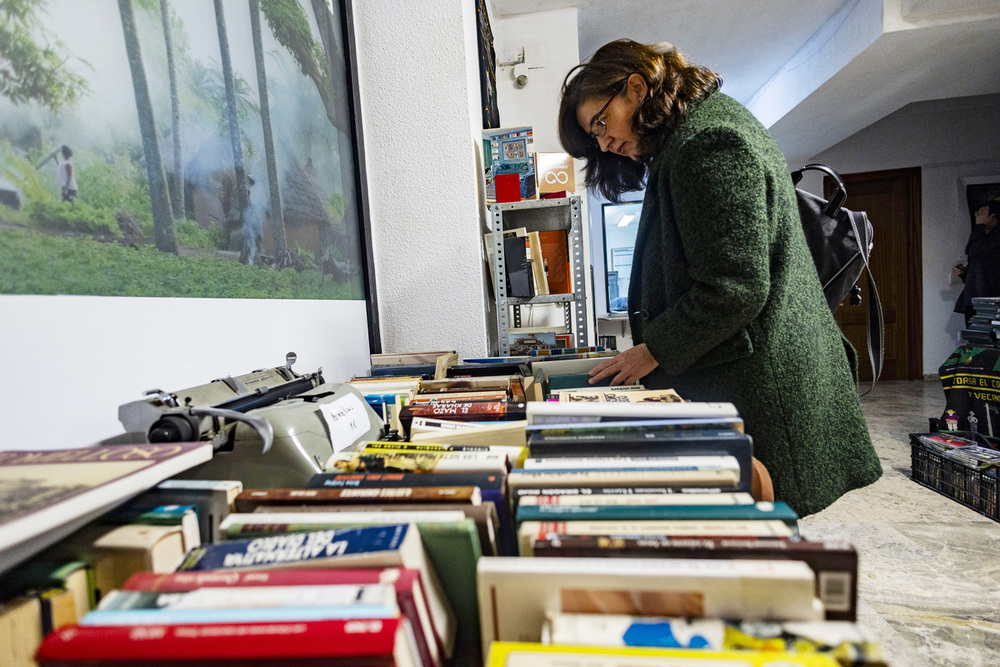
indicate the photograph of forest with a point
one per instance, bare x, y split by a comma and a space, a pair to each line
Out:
177, 148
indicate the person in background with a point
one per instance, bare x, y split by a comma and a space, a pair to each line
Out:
982, 274
67, 175
724, 300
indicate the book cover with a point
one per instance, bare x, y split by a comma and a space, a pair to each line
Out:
585, 395
518, 654
407, 358
515, 593
377, 546
835, 563
529, 532
410, 592
454, 396
555, 253
47, 494
520, 282
251, 499
342, 642
538, 269
761, 511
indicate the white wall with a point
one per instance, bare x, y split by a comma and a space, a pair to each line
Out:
419, 79
549, 42
954, 142
68, 362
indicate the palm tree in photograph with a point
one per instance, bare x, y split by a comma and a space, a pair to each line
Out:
177, 186
281, 257
163, 222
249, 250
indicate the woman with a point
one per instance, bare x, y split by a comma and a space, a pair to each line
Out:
724, 300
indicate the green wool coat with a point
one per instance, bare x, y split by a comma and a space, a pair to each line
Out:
725, 295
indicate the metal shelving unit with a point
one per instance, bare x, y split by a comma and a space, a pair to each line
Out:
540, 215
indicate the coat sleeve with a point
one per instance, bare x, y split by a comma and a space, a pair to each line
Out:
719, 189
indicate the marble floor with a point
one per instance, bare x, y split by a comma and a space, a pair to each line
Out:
929, 581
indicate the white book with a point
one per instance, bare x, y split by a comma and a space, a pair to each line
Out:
641, 499
712, 462
559, 412
515, 594
529, 531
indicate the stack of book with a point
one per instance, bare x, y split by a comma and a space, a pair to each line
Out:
984, 325
636, 528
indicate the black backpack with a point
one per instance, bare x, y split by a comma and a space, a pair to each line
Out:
840, 241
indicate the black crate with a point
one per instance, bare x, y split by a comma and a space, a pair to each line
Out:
973, 488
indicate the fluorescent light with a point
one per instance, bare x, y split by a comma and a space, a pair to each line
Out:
625, 219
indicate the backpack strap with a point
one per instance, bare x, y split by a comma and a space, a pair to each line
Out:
874, 324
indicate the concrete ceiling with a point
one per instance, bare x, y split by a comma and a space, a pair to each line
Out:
828, 68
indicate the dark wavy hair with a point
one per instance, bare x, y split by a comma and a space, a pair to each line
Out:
675, 87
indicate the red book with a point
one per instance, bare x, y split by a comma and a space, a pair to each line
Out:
354, 642
409, 591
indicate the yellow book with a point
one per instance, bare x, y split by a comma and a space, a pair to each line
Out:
518, 654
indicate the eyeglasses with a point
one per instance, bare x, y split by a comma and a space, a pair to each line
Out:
597, 125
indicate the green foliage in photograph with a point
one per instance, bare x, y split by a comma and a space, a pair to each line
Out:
78, 217
34, 66
22, 173
116, 184
190, 233
41, 264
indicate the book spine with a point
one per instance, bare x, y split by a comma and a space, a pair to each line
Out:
638, 476
235, 615
759, 511
375, 480
295, 548
250, 500
640, 499
221, 641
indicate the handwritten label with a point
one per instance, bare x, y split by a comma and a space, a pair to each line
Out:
347, 420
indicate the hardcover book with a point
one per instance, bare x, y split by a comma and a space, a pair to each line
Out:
556, 412
516, 593
418, 460
338, 643
530, 532
47, 494
835, 563
465, 411
443, 431
213, 498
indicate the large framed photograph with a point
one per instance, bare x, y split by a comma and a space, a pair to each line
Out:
179, 148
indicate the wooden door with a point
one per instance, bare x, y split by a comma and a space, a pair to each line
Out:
892, 201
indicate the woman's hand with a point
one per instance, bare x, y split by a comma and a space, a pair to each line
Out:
627, 367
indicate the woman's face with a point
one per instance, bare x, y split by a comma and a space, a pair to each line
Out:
617, 115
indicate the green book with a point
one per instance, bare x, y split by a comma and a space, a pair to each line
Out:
575, 381
762, 510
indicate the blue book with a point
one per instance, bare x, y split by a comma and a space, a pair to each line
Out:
249, 604
758, 511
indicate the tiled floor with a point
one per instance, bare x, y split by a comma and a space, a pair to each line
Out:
930, 568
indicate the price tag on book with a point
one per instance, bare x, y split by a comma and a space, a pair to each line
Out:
346, 419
